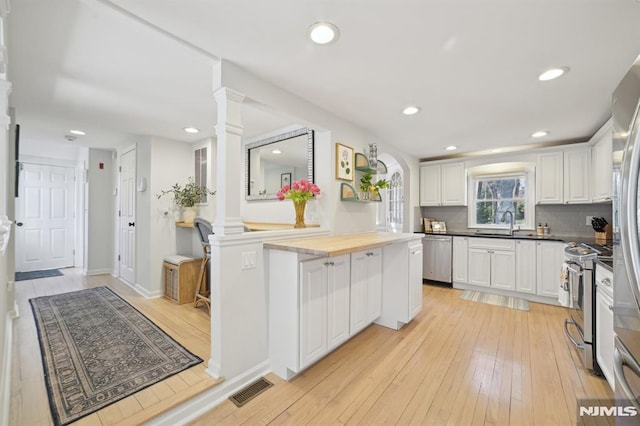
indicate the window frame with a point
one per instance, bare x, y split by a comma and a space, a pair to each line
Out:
529, 199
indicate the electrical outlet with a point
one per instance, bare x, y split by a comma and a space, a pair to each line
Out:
588, 221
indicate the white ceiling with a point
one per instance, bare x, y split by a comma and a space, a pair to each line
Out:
471, 65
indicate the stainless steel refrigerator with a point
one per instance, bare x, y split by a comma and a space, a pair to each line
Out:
626, 238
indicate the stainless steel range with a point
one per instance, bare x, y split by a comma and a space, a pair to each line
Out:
579, 266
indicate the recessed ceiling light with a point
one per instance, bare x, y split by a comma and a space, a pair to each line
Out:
451, 148
77, 132
191, 130
553, 73
540, 134
276, 151
410, 110
324, 33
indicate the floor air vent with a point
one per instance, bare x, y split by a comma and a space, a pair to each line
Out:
248, 393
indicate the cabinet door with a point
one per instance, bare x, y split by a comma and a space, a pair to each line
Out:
313, 311
479, 267
415, 279
429, 185
577, 176
526, 266
453, 185
503, 269
374, 286
338, 301
460, 259
605, 335
602, 168
358, 292
549, 258
549, 176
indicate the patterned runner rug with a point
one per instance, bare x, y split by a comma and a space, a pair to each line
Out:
97, 349
494, 299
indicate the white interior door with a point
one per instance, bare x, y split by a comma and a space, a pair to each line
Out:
45, 218
127, 216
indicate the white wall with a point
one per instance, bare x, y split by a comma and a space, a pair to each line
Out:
163, 163
100, 226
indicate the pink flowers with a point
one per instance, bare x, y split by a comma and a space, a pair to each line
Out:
300, 190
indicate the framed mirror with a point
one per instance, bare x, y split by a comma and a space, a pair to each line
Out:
282, 158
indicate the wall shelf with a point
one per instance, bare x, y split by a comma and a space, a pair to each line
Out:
347, 193
362, 165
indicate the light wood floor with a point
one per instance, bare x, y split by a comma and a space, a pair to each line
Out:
187, 325
457, 363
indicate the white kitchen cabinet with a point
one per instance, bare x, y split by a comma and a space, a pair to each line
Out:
430, 185
460, 262
366, 288
443, 184
526, 266
480, 267
549, 258
401, 283
602, 164
577, 176
503, 269
604, 323
492, 263
324, 306
549, 178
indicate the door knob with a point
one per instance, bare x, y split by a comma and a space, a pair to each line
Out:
132, 224
19, 224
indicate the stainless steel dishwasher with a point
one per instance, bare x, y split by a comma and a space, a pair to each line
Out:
436, 261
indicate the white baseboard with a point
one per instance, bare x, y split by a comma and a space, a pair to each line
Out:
97, 271
200, 404
141, 290
5, 381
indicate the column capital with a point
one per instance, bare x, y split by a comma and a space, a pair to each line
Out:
226, 127
228, 94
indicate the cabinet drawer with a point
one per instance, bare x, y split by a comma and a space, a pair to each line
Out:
492, 244
604, 280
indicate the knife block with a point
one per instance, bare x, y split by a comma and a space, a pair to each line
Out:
604, 236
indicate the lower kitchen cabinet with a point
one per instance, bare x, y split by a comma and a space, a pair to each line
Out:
549, 258
460, 261
324, 306
366, 288
526, 266
492, 263
604, 324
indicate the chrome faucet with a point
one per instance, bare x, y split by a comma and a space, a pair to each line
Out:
502, 219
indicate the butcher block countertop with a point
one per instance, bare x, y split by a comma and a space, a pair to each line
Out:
340, 244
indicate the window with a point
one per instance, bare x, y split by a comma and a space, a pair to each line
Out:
200, 168
395, 203
495, 194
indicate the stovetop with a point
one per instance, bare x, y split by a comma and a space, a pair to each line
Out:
584, 251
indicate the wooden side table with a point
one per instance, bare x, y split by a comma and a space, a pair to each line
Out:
180, 278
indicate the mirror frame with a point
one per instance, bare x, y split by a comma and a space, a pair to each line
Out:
271, 140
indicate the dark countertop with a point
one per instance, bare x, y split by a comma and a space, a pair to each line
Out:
606, 264
520, 235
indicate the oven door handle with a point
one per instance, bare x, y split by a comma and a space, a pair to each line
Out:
573, 340
622, 358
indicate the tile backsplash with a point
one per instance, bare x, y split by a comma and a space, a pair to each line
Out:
563, 219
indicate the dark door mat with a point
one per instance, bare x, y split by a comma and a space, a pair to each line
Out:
34, 275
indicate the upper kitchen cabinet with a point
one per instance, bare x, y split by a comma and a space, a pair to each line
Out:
602, 164
577, 176
443, 185
564, 177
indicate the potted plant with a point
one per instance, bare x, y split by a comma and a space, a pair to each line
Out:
370, 190
187, 197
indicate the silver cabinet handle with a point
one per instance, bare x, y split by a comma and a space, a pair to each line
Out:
606, 282
622, 358
611, 307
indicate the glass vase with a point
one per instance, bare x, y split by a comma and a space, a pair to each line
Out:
299, 205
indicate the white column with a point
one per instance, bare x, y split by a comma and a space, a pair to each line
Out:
229, 162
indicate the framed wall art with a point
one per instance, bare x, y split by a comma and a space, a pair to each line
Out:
285, 179
344, 162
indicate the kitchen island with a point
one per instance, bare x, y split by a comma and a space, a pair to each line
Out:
325, 290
